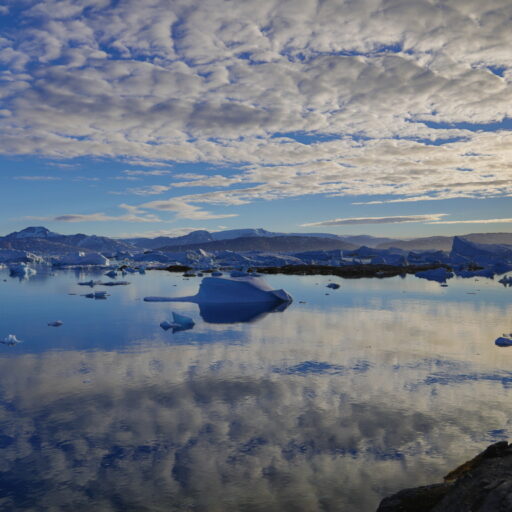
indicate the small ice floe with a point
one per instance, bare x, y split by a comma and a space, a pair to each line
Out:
90, 283
506, 281
129, 270
115, 283
57, 323
10, 340
334, 286
216, 274
97, 295
440, 274
22, 271
504, 341
179, 323
142, 270
111, 273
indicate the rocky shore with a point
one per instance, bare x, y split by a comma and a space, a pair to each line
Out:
482, 484
350, 271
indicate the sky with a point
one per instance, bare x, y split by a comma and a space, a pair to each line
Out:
153, 117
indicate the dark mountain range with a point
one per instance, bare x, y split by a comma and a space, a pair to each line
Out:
287, 243
444, 243
43, 241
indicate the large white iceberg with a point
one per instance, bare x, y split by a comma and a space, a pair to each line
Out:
232, 290
233, 299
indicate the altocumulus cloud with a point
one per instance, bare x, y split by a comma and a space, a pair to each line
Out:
392, 94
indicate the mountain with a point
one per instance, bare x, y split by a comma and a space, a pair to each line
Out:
368, 241
203, 236
431, 243
195, 237
444, 243
285, 243
43, 241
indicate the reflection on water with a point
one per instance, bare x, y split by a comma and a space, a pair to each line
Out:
328, 405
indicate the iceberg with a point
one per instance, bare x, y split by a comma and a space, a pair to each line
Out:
230, 300
81, 258
22, 271
97, 295
57, 323
333, 286
504, 341
506, 281
18, 256
111, 273
439, 274
179, 323
231, 290
11, 340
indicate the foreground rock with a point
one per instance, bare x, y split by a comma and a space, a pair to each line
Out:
483, 484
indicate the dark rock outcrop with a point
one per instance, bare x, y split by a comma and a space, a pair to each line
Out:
482, 484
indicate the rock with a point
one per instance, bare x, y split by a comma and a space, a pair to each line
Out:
482, 484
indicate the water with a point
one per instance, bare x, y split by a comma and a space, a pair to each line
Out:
327, 406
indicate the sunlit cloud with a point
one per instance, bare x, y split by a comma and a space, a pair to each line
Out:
378, 220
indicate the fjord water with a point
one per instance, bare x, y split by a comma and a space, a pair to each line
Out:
344, 397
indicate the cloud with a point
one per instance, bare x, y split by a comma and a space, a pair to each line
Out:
149, 190
337, 99
146, 173
476, 221
37, 178
433, 217
98, 217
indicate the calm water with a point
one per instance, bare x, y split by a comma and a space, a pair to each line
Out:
326, 406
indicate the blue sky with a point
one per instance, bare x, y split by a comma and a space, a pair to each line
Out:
378, 116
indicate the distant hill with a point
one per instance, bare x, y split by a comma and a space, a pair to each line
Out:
43, 241
444, 243
286, 243
431, 243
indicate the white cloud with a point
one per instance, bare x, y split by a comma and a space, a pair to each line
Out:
433, 217
476, 221
37, 178
218, 82
146, 173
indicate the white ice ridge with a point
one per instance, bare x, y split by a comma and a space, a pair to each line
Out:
231, 290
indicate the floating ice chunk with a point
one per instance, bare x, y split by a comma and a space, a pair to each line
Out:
111, 273
90, 283
97, 295
165, 325
438, 274
115, 283
183, 321
179, 323
504, 341
22, 271
334, 286
506, 281
216, 274
57, 323
11, 340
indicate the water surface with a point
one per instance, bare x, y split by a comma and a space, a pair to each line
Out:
344, 397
